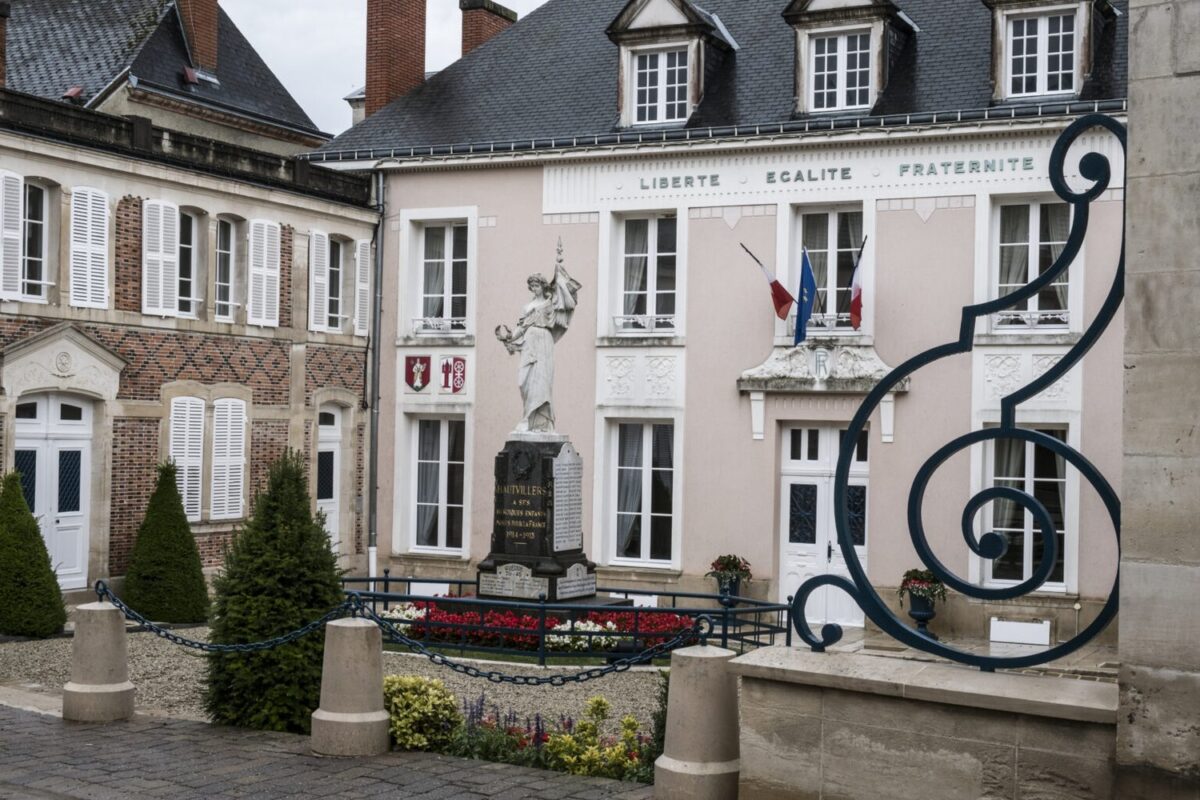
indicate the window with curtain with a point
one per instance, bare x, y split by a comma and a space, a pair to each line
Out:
840, 68
1041, 54
1032, 237
443, 279
649, 269
645, 501
440, 478
660, 89
833, 240
1040, 472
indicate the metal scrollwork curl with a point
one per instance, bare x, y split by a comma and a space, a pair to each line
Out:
1095, 168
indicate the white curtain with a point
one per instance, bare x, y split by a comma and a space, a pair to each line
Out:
816, 239
1014, 250
629, 487
1056, 223
637, 258
1009, 471
435, 272
428, 467
850, 226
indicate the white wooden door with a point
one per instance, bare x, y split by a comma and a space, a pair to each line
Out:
329, 467
809, 545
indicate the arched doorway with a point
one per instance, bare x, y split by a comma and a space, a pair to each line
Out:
53, 454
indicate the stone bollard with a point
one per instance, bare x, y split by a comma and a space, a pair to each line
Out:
700, 759
99, 689
351, 720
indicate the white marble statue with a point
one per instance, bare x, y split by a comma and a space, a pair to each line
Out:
543, 322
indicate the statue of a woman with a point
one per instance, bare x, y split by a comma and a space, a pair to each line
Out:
543, 322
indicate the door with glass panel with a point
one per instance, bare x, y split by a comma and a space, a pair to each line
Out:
809, 536
329, 447
52, 454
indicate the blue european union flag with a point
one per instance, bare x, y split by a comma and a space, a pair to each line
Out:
806, 299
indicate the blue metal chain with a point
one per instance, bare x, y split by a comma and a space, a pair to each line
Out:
355, 607
346, 609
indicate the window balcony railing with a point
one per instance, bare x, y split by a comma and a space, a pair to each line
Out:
439, 326
1031, 320
644, 323
823, 323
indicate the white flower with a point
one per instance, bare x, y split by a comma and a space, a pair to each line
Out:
576, 637
405, 612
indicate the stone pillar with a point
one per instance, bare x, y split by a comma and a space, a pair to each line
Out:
1158, 734
99, 689
351, 720
700, 759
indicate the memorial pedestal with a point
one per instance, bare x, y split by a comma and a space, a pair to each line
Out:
537, 538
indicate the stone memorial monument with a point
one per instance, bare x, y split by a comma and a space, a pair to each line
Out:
537, 538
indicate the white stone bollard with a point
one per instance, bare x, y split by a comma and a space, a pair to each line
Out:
99, 689
351, 720
700, 760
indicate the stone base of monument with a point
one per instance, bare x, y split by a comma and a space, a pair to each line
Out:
537, 537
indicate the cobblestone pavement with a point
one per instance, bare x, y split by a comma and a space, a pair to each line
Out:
44, 758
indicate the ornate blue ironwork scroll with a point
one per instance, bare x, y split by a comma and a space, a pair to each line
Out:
1095, 168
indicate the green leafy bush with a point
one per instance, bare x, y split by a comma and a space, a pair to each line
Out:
165, 581
30, 601
279, 575
424, 715
586, 750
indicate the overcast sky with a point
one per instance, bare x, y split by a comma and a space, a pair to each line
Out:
317, 47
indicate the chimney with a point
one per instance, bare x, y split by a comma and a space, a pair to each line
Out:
199, 18
483, 19
395, 50
5, 7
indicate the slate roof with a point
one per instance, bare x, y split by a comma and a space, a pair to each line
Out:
56, 44
554, 74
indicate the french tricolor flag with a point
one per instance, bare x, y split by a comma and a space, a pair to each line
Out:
780, 297
856, 291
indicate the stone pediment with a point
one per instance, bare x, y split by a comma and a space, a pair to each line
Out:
640, 18
828, 365
833, 11
61, 358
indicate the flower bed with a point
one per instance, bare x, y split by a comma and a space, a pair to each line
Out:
597, 632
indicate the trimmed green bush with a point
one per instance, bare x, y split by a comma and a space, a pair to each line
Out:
279, 575
424, 714
165, 582
30, 601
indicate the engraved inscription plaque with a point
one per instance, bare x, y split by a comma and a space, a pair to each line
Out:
578, 583
513, 580
568, 500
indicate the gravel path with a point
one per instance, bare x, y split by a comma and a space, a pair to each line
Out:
170, 680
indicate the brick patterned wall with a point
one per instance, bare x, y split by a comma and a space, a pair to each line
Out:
14, 329
212, 546
360, 471
342, 367
479, 25
268, 442
395, 50
158, 357
134, 453
129, 254
287, 251
200, 23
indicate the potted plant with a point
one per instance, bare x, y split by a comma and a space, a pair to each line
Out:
729, 571
922, 588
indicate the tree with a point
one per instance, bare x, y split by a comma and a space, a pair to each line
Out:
165, 582
279, 575
31, 603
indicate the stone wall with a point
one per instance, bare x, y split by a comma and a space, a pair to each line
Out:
1159, 729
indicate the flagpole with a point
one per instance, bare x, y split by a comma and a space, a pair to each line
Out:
761, 266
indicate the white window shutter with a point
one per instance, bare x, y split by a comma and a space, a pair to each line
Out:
318, 281
12, 199
229, 459
160, 264
89, 248
187, 451
362, 287
264, 274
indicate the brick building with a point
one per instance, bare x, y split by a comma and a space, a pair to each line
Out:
168, 294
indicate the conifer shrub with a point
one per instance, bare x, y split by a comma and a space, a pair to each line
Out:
31, 603
279, 575
165, 582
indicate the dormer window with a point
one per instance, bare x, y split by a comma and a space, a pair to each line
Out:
1042, 52
662, 86
667, 46
841, 71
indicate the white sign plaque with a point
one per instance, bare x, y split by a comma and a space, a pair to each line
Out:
513, 580
568, 500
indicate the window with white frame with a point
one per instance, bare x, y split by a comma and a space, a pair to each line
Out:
439, 473
1042, 54
645, 497
24, 239
648, 277
1041, 473
1031, 238
89, 248
186, 449
833, 240
223, 300
443, 289
228, 459
660, 86
263, 261
840, 71
189, 264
